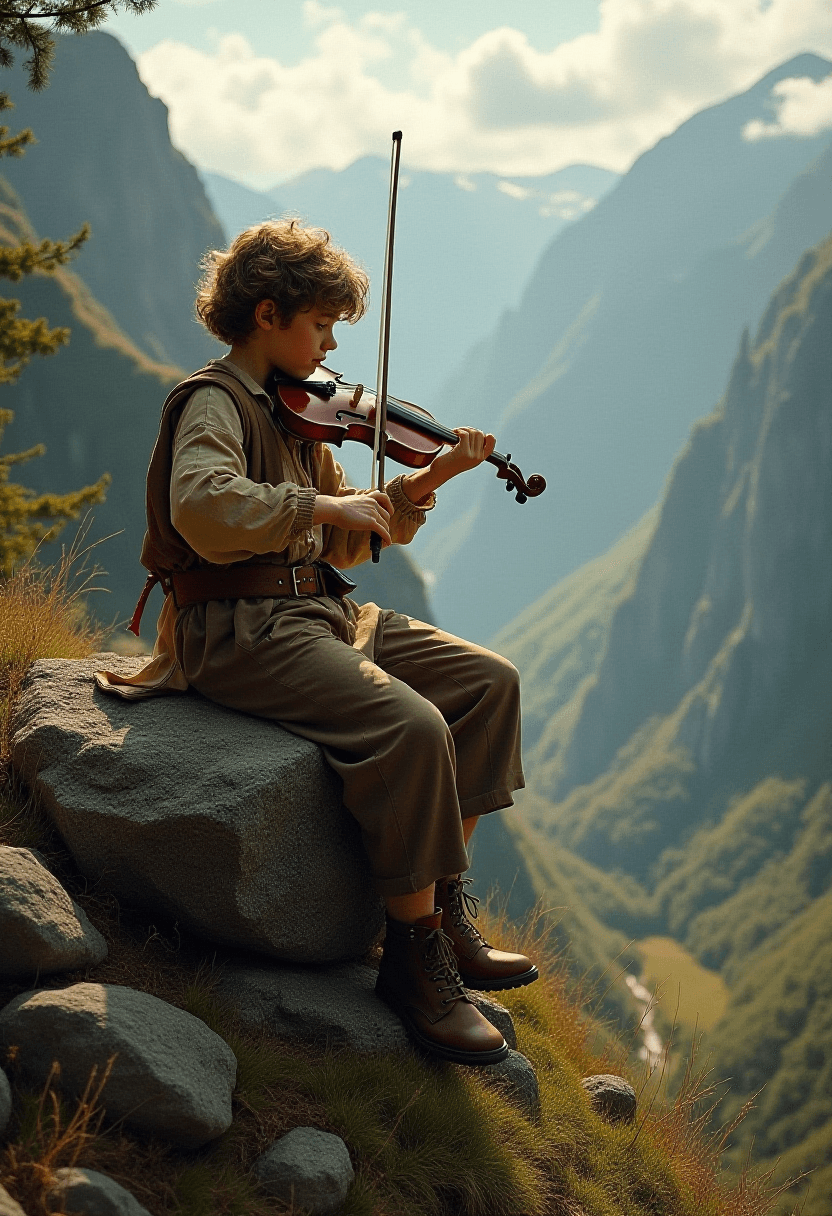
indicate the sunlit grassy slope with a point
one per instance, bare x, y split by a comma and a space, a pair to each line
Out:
688, 994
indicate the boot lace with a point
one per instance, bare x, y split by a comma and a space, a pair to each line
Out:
440, 964
463, 905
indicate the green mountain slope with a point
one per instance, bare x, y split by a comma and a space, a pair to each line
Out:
692, 792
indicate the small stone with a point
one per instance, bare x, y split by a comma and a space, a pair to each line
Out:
611, 1097
307, 1168
42, 930
497, 1015
5, 1102
335, 1005
9, 1206
172, 1076
88, 1193
518, 1080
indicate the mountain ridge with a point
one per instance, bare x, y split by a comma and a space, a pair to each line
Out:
634, 358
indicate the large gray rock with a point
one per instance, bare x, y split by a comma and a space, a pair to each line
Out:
336, 1005
226, 822
42, 930
88, 1193
307, 1168
9, 1206
172, 1076
5, 1101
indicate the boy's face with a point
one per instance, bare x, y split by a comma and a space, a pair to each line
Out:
302, 345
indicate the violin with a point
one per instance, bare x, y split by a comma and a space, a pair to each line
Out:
324, 408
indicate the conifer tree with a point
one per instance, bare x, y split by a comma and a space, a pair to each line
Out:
27, 518
31, 25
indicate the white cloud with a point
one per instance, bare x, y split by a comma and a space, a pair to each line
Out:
498, 105
805, 108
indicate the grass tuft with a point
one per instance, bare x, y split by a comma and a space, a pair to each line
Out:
42, 616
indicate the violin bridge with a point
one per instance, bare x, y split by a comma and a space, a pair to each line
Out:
356, 397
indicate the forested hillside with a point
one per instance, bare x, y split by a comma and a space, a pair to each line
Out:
104, 157
624, 336
686, 789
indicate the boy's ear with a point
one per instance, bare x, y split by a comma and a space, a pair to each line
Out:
266, 314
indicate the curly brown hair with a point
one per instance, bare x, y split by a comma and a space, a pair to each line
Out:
280, 260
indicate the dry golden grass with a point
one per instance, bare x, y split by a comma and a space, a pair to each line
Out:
42, 616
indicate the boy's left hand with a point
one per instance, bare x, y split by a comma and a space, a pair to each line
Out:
473, 448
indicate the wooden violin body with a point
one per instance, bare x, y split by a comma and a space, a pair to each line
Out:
324, 408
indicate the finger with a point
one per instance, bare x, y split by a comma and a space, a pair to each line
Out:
383, 500
490, 444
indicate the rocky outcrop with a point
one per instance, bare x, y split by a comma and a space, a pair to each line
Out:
718, 664
225, 822
88, 1193
307, 1168
42, 930
171, 1075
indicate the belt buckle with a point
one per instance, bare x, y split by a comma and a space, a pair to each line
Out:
295, 588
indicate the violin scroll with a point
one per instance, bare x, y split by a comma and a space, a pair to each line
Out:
515, 480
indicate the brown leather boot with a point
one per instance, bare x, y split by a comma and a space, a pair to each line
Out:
418, 979
480, 965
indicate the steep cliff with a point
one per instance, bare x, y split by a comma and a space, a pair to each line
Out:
624, 336
104, 157
717, 669
686, 788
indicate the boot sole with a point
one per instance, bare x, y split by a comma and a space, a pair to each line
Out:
454, 1055
500, 985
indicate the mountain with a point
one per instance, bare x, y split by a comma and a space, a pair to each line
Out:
96, 403
465, 247
104, 157
686, 787
623, 337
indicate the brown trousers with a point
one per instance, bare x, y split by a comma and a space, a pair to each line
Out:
422, 727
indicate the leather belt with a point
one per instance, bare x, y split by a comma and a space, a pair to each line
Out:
245, 582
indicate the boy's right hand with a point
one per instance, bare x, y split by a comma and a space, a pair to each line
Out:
356, 512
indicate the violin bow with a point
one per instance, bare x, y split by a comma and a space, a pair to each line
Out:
380, 437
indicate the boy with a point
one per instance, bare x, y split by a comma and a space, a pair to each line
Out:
243, 519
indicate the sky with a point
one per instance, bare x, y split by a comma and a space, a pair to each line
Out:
261, 90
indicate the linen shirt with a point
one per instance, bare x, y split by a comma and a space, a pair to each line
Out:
226, 517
